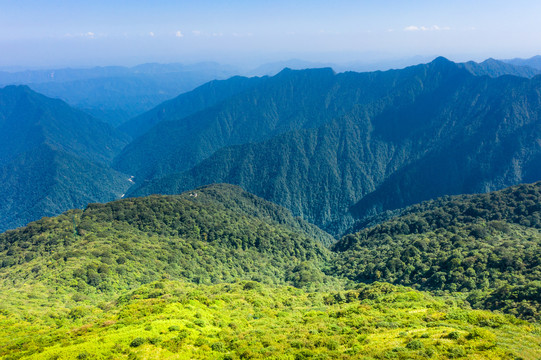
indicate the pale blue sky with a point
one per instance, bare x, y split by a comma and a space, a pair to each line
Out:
82, 33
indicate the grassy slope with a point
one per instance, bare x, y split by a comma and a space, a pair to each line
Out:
248, 320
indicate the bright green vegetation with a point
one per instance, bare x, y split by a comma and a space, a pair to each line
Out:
488, 246
249, 320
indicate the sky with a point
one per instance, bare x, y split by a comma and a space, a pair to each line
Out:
88, 33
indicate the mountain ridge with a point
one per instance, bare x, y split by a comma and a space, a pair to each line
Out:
52, 157
55, 122
230, 123
404, 125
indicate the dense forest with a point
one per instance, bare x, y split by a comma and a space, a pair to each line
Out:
333, 148
336, 148
488, 246
208, 236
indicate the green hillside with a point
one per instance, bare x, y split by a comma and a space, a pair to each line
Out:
207, 274
315, 173
249, 320
487, 246
109, 248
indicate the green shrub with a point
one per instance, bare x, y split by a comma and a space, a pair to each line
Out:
252, 285
456, 352
332, 345
218, 346
414, 345
137, 342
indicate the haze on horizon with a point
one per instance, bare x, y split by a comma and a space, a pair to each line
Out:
240, 32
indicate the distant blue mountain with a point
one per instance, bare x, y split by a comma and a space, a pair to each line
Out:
495, 68
115, 94
533, 62
332, 147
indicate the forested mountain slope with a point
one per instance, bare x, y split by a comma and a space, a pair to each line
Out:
46, 181
342, 147
187, 104
29, 119
289, 100
53, 158
486, 245
213, 234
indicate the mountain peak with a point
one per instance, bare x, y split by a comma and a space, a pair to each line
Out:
16, 89
440, 60
323, 71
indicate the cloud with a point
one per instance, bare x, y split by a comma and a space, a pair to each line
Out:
411, 28
426, 28
151, 34
179, 34
196, 32
89, 35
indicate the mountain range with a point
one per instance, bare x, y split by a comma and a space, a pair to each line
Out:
334, 148
533, 62
115, 94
